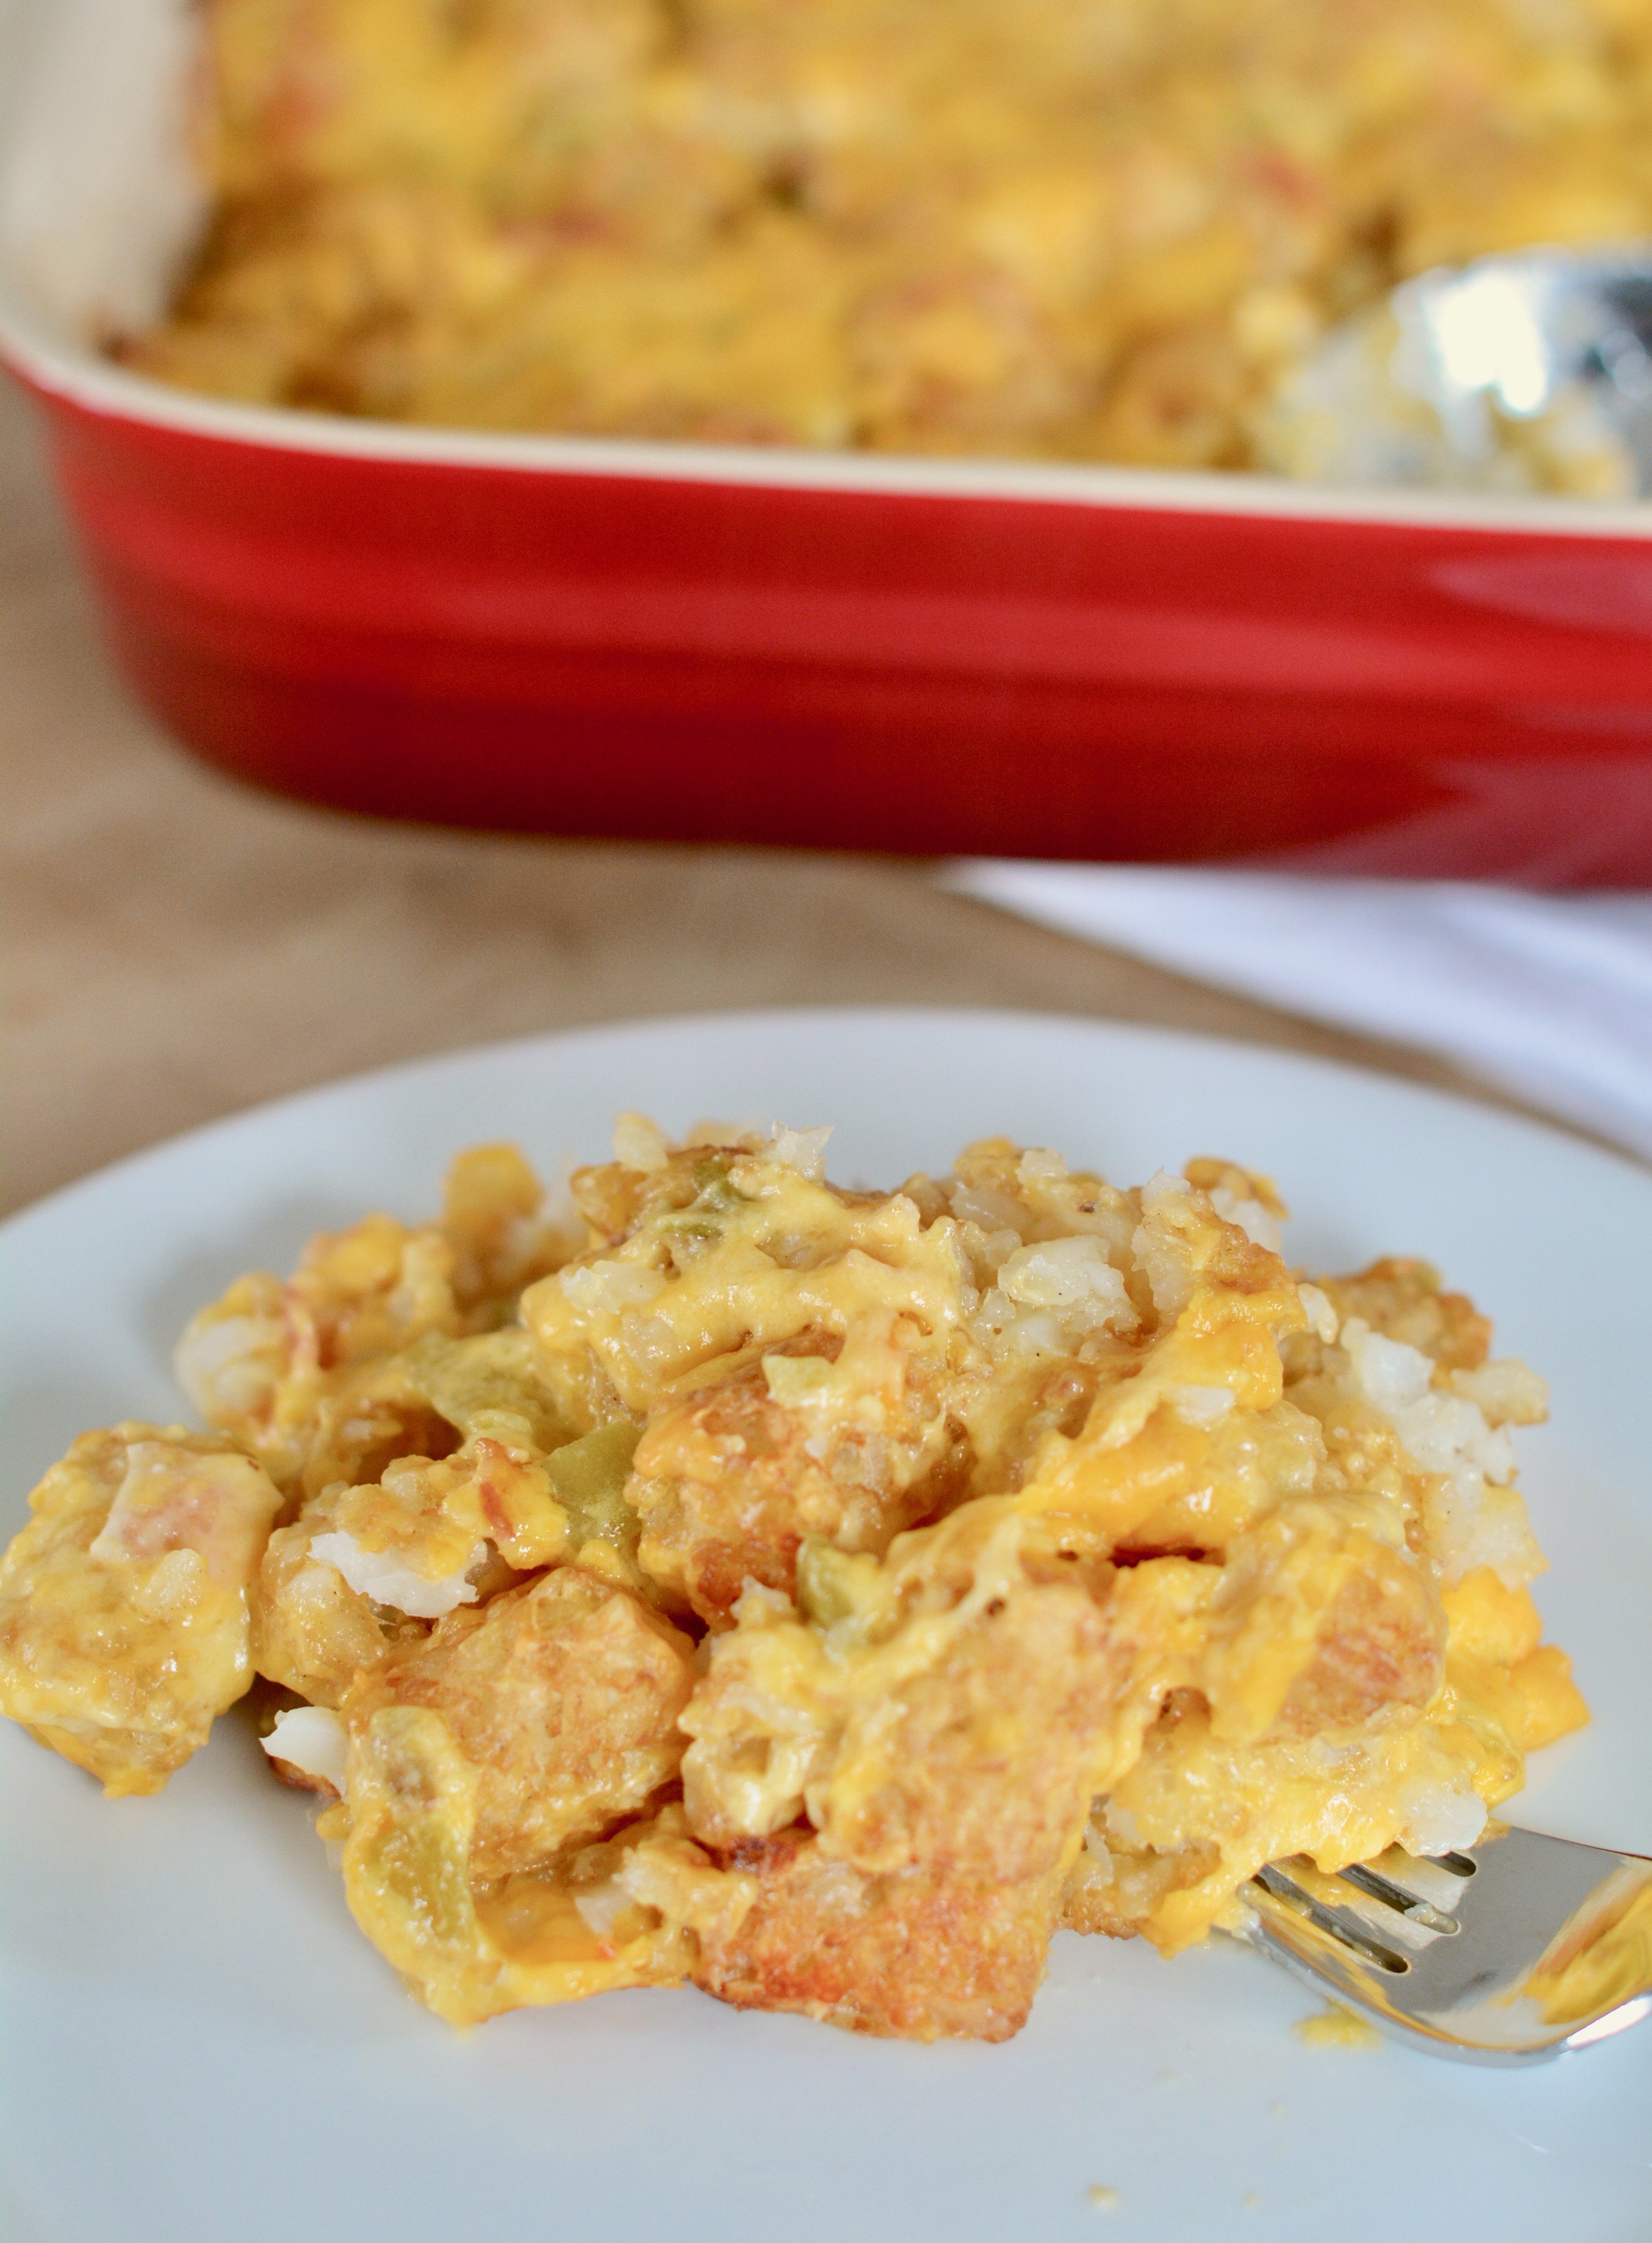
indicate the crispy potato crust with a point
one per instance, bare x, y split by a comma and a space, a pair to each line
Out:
915, 1955
561, 1695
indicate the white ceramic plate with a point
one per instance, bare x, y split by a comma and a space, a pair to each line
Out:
199, 2048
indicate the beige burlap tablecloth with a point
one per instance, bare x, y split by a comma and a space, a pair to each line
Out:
177, 946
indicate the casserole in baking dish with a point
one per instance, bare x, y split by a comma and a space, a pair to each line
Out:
609, 634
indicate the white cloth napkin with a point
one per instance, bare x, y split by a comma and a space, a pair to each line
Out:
1550, 996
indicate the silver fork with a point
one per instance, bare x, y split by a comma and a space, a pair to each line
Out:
1511, 1951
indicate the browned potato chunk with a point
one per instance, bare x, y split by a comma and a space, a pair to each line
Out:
982, 1766
1381, 1642
730, 1481
940, 1710
947, 1803
312, 1632
627, 1911
560, 1697
364, 1569
123, 1623
1404, 1300
915, 1955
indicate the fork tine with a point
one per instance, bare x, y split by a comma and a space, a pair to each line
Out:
1378, 1887
1334, 1922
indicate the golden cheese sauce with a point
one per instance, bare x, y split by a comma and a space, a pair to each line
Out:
818, 1595
1600, 1964
1083, 229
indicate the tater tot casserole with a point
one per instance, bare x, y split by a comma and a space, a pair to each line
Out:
1080, 229
816, 1595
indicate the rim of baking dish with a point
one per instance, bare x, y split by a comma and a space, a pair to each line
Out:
79, 376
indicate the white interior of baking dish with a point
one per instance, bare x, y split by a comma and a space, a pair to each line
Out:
100, 205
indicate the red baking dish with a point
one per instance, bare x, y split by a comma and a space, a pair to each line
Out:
586, 636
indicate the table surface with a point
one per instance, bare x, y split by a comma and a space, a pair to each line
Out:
177, 946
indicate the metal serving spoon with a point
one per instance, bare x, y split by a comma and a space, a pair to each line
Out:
1529, 371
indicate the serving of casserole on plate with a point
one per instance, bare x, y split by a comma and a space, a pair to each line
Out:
770, 1604
818, 1595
